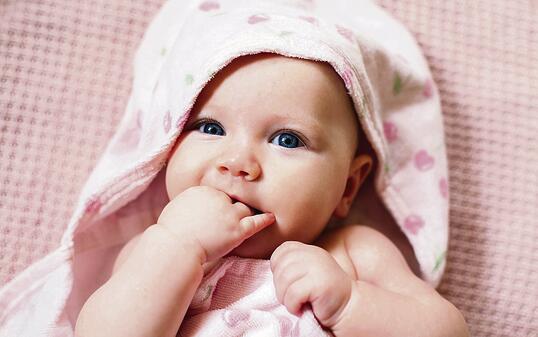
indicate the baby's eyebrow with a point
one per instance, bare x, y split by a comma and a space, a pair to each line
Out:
311, 127
315, 126
311, 123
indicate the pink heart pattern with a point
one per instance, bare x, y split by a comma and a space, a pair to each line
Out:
427, 90
391, 131
257, 18
232, 317
167, 122
413, 223
129, 139
423, 161
93, 205
139, 117
207, 6
346, 33
288, 328
443, 187
309, 19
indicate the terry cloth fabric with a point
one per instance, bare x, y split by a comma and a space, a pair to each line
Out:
237, 298
383, 70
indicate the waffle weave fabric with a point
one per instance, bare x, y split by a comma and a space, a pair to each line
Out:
65, 78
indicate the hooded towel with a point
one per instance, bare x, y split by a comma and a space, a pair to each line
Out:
187, 43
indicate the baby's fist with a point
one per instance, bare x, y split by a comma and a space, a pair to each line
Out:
309, 274
207, 220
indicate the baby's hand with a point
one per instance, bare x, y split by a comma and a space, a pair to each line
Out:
305, 274
207, 221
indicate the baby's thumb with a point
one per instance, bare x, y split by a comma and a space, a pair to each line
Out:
255, 223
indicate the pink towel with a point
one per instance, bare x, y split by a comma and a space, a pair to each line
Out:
237, 298
386, 77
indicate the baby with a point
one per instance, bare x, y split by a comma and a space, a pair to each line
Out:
255, 175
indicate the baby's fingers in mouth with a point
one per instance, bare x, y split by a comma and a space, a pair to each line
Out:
257, 222
253, 211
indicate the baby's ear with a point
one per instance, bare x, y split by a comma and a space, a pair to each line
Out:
358, 171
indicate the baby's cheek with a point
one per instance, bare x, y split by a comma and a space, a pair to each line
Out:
184, 170
315, 189
310, 214
178, 179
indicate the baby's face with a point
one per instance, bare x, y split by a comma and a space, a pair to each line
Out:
278, 134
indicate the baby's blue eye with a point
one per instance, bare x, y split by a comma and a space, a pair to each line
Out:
288, 140
211, 128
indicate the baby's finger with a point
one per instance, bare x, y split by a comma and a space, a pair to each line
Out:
284, 277
295, 295
286, 251
251, 225
242, 208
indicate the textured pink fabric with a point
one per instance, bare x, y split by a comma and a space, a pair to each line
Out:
238, 298
65, 80
65, 77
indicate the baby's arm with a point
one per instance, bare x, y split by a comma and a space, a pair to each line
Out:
387, 299
151, 289
363, 288
149, 293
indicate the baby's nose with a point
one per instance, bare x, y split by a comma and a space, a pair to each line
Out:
240, 165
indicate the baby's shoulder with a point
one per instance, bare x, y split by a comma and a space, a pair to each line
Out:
362, 250
351, 237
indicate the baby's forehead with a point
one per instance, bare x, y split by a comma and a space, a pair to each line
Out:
289, 85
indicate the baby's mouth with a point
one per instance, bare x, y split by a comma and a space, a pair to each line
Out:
254, 211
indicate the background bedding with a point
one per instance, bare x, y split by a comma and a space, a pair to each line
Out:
65, 76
